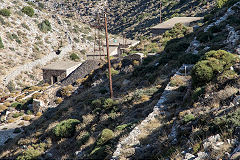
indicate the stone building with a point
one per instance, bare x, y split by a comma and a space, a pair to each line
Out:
57, 71
169, 24
116, 48
117, 45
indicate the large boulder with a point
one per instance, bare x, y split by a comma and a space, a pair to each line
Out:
38, 106
4, 115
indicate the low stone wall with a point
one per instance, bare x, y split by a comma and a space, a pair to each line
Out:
83, 70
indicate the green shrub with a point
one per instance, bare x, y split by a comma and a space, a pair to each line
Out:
178, 31
16, 115
228, 74
1, 43
33, 152
188, 118
215, 64
30, 154
228, 122
221, 3
201, 73
29, 112
97, 103
74, 57
196, 147
5, 12
45, 26
123, 126
28, 11
16, 105
109, 103
99, 152
227, 58
66, 128
113, 72
212, 63
106, 135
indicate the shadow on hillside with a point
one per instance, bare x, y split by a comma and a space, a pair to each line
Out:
79, 105
154, 20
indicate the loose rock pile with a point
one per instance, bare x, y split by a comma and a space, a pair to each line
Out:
131, 144
216, 144
229, 12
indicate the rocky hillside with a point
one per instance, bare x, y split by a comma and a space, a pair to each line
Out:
30, 37
182, 102
134, 17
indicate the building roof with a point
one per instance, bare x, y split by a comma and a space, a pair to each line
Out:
61, 65
171, 22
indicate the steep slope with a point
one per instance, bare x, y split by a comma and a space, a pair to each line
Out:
30, 41
134, 17
162, 108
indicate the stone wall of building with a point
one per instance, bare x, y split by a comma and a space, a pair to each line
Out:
48, 75
84, 69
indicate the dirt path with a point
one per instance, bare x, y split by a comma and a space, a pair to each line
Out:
31, 65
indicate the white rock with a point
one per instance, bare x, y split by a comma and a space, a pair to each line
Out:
219, 144
202, 155
79, 154
189, 156
38, 106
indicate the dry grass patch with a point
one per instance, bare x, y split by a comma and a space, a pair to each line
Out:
27, 118
3, 107
11, 121
178, 80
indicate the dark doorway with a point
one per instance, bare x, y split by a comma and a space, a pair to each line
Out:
55, 79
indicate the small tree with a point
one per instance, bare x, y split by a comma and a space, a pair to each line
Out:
74, 57
221, 3
45, 26
66, 128
28, 11
212, 63
5, 12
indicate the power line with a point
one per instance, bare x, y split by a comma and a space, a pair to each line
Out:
108, 57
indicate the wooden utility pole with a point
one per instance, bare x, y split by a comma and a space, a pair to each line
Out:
108, 57
160, 12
